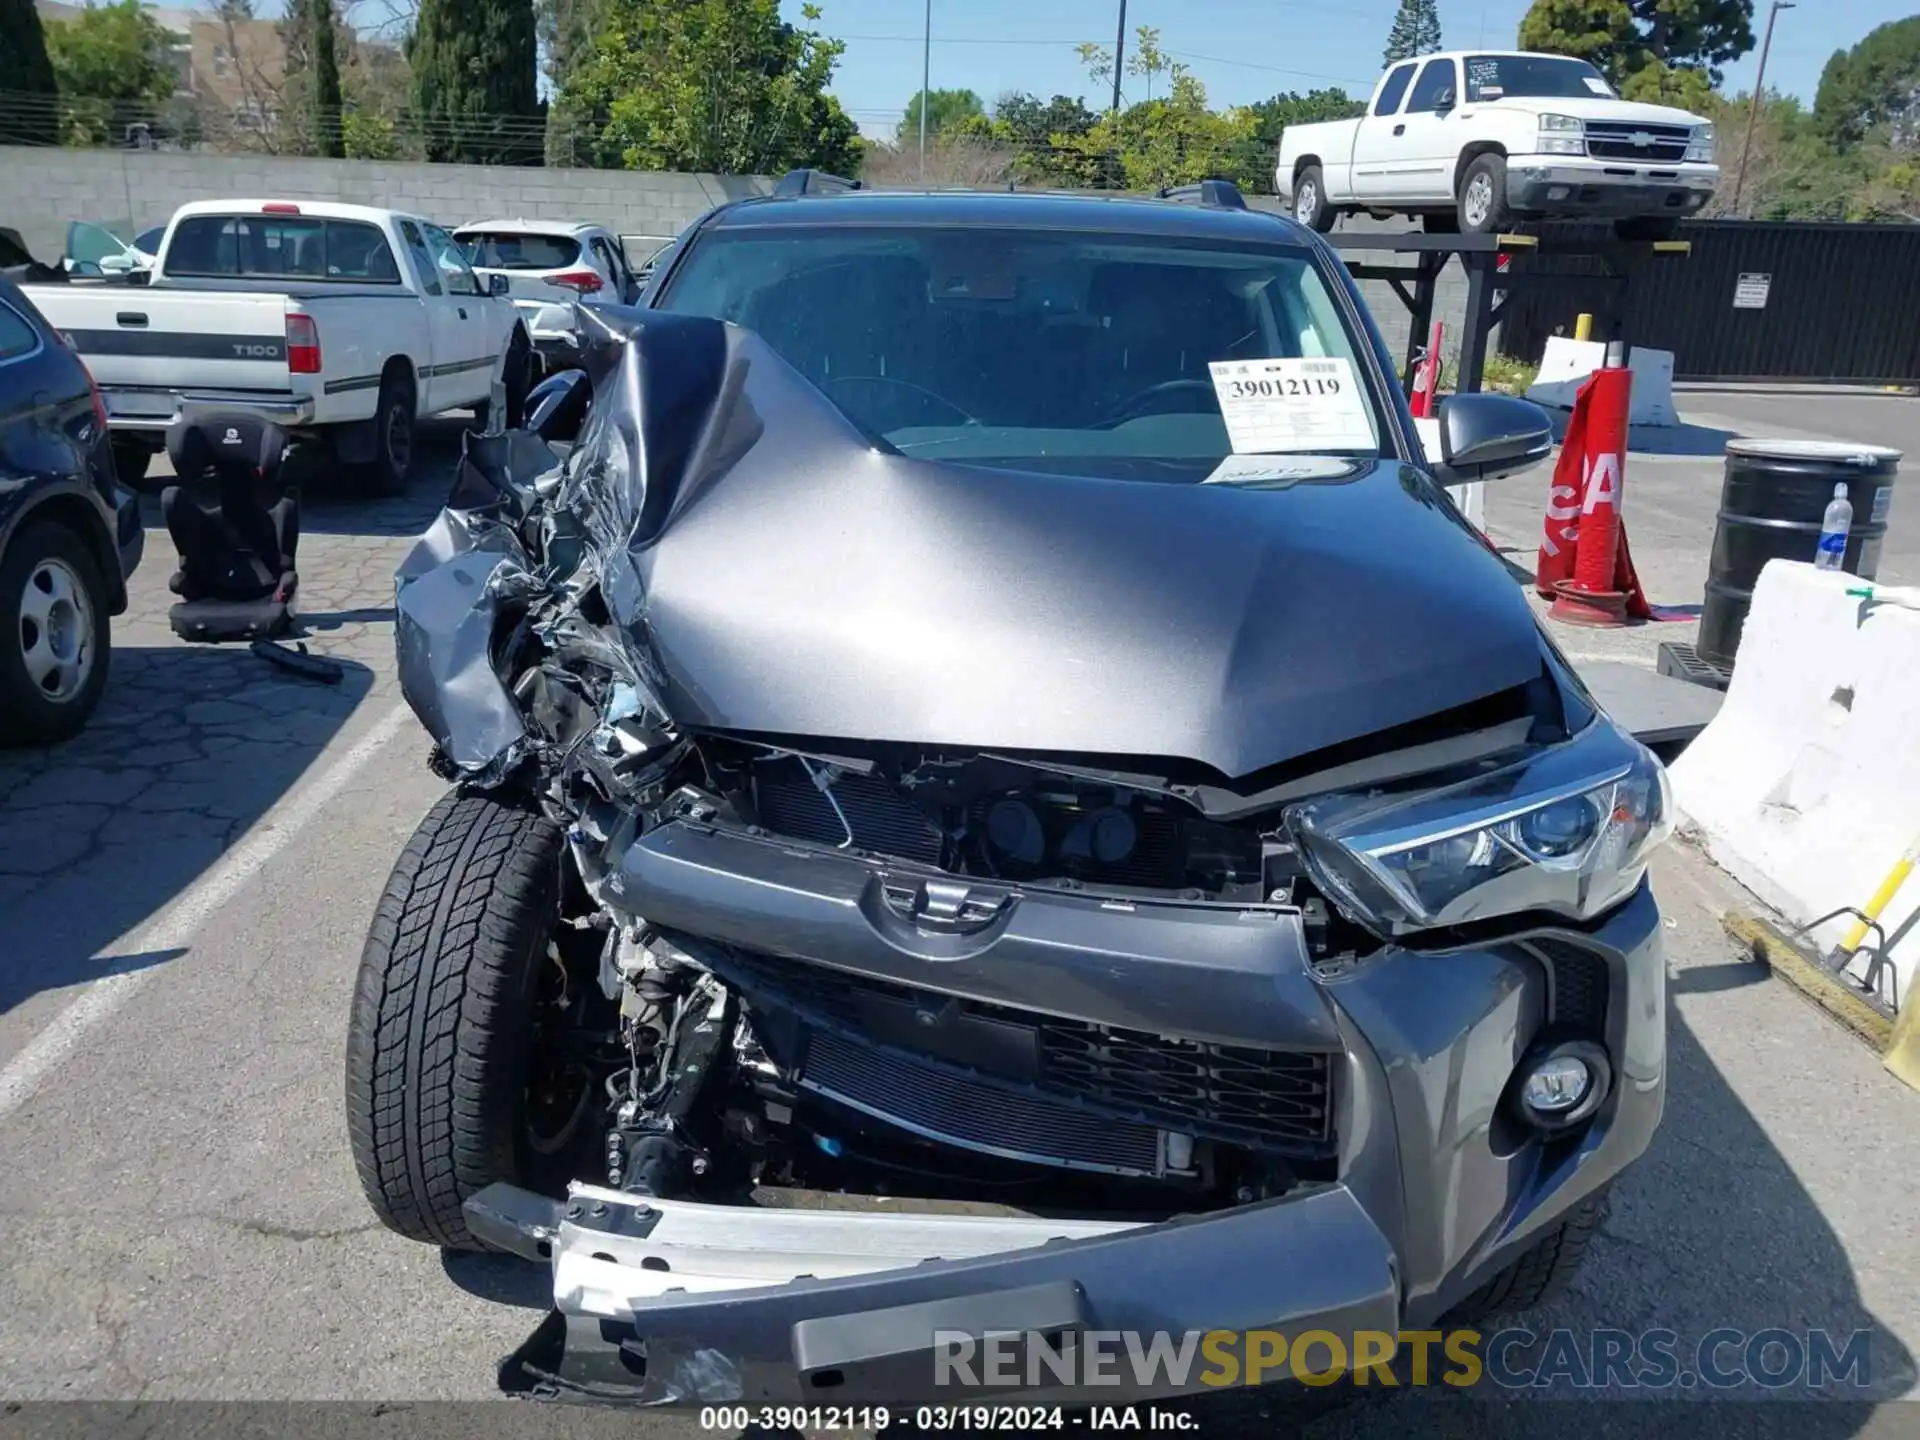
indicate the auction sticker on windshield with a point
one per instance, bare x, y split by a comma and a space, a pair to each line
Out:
1276, 406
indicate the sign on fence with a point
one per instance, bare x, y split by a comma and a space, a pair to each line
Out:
1751, 291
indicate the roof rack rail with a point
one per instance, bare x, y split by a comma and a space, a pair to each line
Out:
1223, 194
813, 182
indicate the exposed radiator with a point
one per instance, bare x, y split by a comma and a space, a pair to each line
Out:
881, 818
1275, 1100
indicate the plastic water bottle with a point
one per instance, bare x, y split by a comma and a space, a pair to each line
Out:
1834, 526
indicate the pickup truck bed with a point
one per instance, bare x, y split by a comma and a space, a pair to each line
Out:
391, 325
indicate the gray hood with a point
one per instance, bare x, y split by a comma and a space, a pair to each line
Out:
777, 573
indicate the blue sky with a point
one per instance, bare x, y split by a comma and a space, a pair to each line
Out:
1243, 50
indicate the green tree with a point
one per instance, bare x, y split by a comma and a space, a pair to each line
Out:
945, 109
1037, 133
1876, 83
312, 100
113, 65
714, 85
475, 81
1171, 141
1624, 37
28, 113
1416, 31
566, 31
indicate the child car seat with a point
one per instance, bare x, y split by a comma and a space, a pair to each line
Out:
235, 527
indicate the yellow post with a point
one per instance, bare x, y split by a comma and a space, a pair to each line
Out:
1583, 328
1882, 897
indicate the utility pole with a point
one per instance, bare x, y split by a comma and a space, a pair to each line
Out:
1119, 49
926, 73
1753, 107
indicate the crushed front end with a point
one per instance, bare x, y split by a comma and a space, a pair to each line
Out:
900, 1039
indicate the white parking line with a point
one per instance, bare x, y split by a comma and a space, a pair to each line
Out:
176, 926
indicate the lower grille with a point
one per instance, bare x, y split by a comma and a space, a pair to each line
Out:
968, 1113
1274, 1100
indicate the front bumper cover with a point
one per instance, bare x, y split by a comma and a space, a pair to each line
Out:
1621, 191
670, 1302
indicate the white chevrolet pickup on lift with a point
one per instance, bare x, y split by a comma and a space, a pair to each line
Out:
1472, 140
337, 322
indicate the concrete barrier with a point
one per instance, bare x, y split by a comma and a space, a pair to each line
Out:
1806, 785
1567, 364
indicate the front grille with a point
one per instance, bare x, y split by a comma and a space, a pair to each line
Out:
1611, 140
1274, 1100
1582, 984
881, 818
974, 1115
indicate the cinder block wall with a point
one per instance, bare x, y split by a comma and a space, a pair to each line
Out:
130, 190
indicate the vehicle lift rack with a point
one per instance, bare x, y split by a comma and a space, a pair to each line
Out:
1490, 283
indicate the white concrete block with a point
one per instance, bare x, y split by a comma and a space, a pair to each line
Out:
1567, 364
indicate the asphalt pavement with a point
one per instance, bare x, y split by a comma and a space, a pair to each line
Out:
183, 896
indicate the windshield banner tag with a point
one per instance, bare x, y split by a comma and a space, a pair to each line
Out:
1287, 406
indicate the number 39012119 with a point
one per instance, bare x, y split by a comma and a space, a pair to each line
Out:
1283, 387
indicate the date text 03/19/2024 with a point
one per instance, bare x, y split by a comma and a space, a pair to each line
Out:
732, 1419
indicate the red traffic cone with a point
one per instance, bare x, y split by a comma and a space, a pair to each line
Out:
1561, 541
1594, 595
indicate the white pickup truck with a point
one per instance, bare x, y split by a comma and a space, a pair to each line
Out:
1472, 140
334, 321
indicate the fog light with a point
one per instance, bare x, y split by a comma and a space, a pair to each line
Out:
1561, 1085
1557, 1085
1557, 192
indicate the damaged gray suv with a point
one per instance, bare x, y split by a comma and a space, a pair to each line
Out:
995, 793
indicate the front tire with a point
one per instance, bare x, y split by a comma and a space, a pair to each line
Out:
1310, 205
1482, 199
441, 1044
55, 636
1543, 1273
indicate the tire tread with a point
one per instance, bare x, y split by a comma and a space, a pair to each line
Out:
436, 1041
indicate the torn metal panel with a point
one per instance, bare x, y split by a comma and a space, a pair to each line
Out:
446, 619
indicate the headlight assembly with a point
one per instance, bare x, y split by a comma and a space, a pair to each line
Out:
1562, 135
1565, 829
1700, 149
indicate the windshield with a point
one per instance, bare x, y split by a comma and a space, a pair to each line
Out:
511, 250
1494, 77
1056, 350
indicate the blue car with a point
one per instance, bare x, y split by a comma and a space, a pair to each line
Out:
69, 535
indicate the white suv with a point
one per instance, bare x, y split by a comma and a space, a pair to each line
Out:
550, 266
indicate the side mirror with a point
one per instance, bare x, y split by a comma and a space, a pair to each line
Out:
1486, 437
86, 269
497, 285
